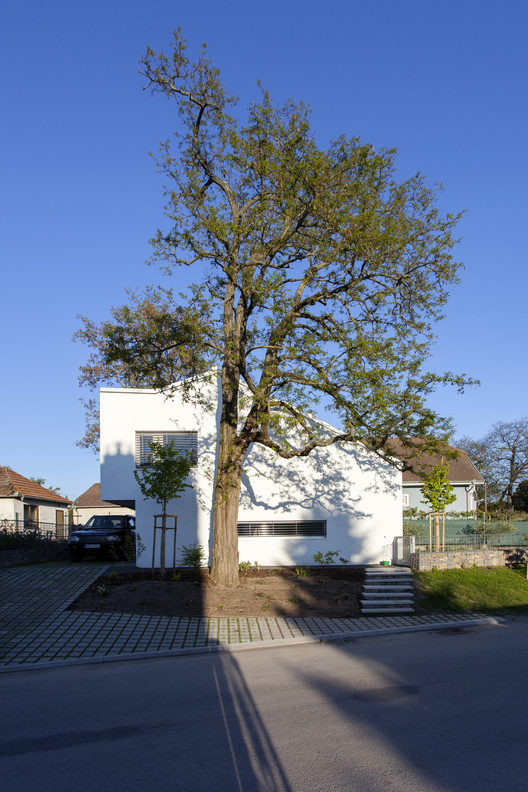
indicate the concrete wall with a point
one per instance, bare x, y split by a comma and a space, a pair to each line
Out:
356, 493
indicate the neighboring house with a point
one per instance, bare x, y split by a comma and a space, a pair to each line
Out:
462, 474
90, 503
26, 504
339, 498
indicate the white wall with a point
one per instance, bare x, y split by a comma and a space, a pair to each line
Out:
13, 508
356, 493
123, 412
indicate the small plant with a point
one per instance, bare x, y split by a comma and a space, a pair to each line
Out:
302, 571
260, 594
327, 558
176, 576
103, 590
245, 566
221, 605
140, 547
294, 600
266, 606
193, 555
113, 576
129, 549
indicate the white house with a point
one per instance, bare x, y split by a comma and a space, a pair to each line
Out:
339, 498
462, 474
23, 504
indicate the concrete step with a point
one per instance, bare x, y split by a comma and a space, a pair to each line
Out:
387, 590
389, 575
395, 584
396, 595
380, 611
388, 601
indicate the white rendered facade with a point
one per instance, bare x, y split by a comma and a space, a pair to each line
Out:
355, 494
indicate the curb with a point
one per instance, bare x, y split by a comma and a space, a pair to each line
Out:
321, 638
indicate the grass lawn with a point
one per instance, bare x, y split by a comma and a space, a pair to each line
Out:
485, 589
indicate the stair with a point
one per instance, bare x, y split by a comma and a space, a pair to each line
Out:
387, 590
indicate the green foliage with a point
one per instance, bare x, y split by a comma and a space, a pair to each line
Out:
193, 555
437, 489
302, 571
411, 528
245, 566
492, 527
325, 559
319, 278
164, 479
520, 497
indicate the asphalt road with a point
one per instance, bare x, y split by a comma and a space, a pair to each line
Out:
425, 711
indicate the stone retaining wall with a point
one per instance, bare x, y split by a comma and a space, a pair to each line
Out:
52, 551
462, 559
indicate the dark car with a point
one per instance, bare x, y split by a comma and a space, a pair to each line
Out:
104, 534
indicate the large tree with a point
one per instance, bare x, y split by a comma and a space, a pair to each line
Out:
501, 456
319, 279
162, 337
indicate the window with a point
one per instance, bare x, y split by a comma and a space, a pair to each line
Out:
405, 500
294, 528
184, 442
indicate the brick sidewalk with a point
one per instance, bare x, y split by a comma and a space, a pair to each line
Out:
36, 628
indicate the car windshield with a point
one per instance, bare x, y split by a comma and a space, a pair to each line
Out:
105, 522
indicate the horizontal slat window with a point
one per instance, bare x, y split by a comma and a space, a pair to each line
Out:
184, 442
283, 528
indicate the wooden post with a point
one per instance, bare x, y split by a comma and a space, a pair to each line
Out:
437, 531
164, 528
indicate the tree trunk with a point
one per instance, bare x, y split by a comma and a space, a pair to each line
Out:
224, 562
224, 566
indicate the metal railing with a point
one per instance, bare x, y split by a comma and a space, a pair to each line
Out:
468, 541
29, 533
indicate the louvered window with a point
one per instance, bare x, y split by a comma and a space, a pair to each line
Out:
283, 528
184, 442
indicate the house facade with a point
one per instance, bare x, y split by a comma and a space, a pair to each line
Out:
339, 498
465, 479
25, 504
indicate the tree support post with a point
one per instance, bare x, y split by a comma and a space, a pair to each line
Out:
164, 528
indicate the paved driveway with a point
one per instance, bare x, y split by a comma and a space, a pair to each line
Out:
37, 628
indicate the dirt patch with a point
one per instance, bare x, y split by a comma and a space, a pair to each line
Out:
331, 592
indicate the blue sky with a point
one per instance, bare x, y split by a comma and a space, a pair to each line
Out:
445, 83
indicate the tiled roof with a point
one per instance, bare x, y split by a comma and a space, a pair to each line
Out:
13, 484
92, 498
461, 468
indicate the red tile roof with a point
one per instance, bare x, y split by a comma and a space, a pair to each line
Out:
92, 498
461, 468
13, 484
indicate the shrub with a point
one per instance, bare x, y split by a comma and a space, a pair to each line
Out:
193, 555
327, 558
